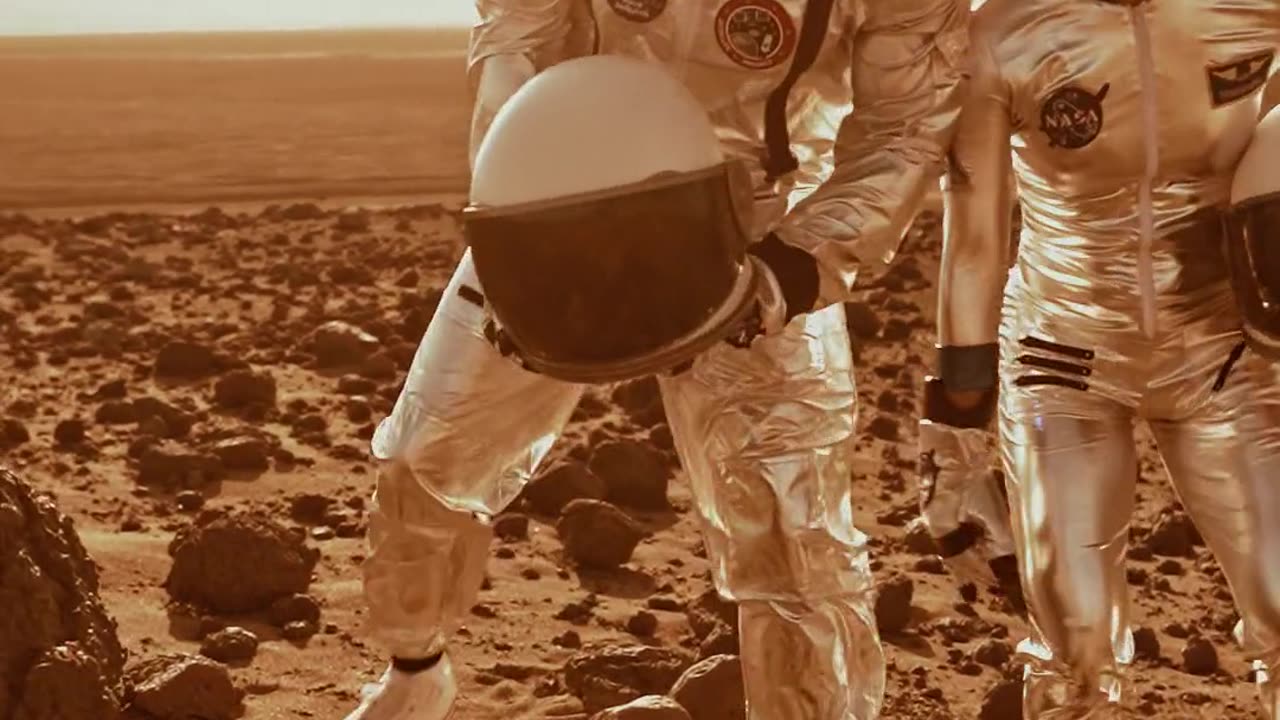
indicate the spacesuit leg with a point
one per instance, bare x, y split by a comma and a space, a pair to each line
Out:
1071, 468
1224, 460
468, 431
765, 435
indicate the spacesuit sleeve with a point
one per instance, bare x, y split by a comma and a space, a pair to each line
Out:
1271, 91
977, 202
907, 77
511, 42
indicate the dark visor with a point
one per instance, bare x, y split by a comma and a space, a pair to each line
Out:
604, 277
1256, 252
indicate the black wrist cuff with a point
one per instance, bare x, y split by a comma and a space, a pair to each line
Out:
939, 408
969, 367
795, 269
416, 665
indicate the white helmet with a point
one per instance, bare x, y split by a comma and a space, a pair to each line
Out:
607, 230
1253, 242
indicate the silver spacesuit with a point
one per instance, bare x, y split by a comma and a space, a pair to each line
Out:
1124, 122
765, 432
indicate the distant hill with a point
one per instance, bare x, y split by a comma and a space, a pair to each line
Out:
410, 42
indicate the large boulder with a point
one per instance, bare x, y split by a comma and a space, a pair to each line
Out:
598, 535
713, 689
606, 677
635, 474
239, 562
60, 656
184, 687
337, 343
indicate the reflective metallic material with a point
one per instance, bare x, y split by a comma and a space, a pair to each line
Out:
605, 260
610, 286
1124, 124
1253, 242
470, 427
879, 161
1253, 255
765, 434
1072, 477
962, 503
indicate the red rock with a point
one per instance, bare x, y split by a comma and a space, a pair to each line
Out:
597, 534
712, 689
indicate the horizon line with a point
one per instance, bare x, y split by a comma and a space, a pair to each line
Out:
233, 31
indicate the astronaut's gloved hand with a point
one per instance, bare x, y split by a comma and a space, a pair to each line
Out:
962, 499
795, 272
786, 286
768, 313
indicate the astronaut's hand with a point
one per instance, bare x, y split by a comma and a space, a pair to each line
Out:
794, 272
768, 312
962, 500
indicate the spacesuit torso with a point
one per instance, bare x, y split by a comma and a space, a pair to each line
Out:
763, 432
1124, 123
733, 55
898, 61
1127, 123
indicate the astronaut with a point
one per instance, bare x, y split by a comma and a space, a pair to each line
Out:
764, 428
1124, 124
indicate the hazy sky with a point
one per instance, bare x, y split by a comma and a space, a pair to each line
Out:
57, 17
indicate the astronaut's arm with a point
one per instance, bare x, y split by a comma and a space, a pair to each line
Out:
907, 78
511, 42
977, 214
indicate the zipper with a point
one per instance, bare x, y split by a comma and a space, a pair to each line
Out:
1146, 219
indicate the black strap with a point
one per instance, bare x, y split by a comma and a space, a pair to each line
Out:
779, 160
416, 665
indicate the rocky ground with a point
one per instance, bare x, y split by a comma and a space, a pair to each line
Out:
196, 393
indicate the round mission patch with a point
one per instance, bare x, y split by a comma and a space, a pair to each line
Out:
756, 34
1072, 117
639, 10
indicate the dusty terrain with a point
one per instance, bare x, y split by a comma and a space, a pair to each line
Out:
161, 368
89, 307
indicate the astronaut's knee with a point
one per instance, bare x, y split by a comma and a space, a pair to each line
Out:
411, 496
812, 567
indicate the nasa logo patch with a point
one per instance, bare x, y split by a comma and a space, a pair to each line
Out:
1234, 80
1071, 117
640, 11
756, 34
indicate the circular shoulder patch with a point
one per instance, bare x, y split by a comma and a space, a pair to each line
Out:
639, 10
1072, 117
756, 34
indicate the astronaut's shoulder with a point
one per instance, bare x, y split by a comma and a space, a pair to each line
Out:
993, 20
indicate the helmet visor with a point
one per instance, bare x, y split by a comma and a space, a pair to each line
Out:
607, 277
1253, 251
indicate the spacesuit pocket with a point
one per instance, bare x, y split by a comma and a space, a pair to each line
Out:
1063, 372
1224, 373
